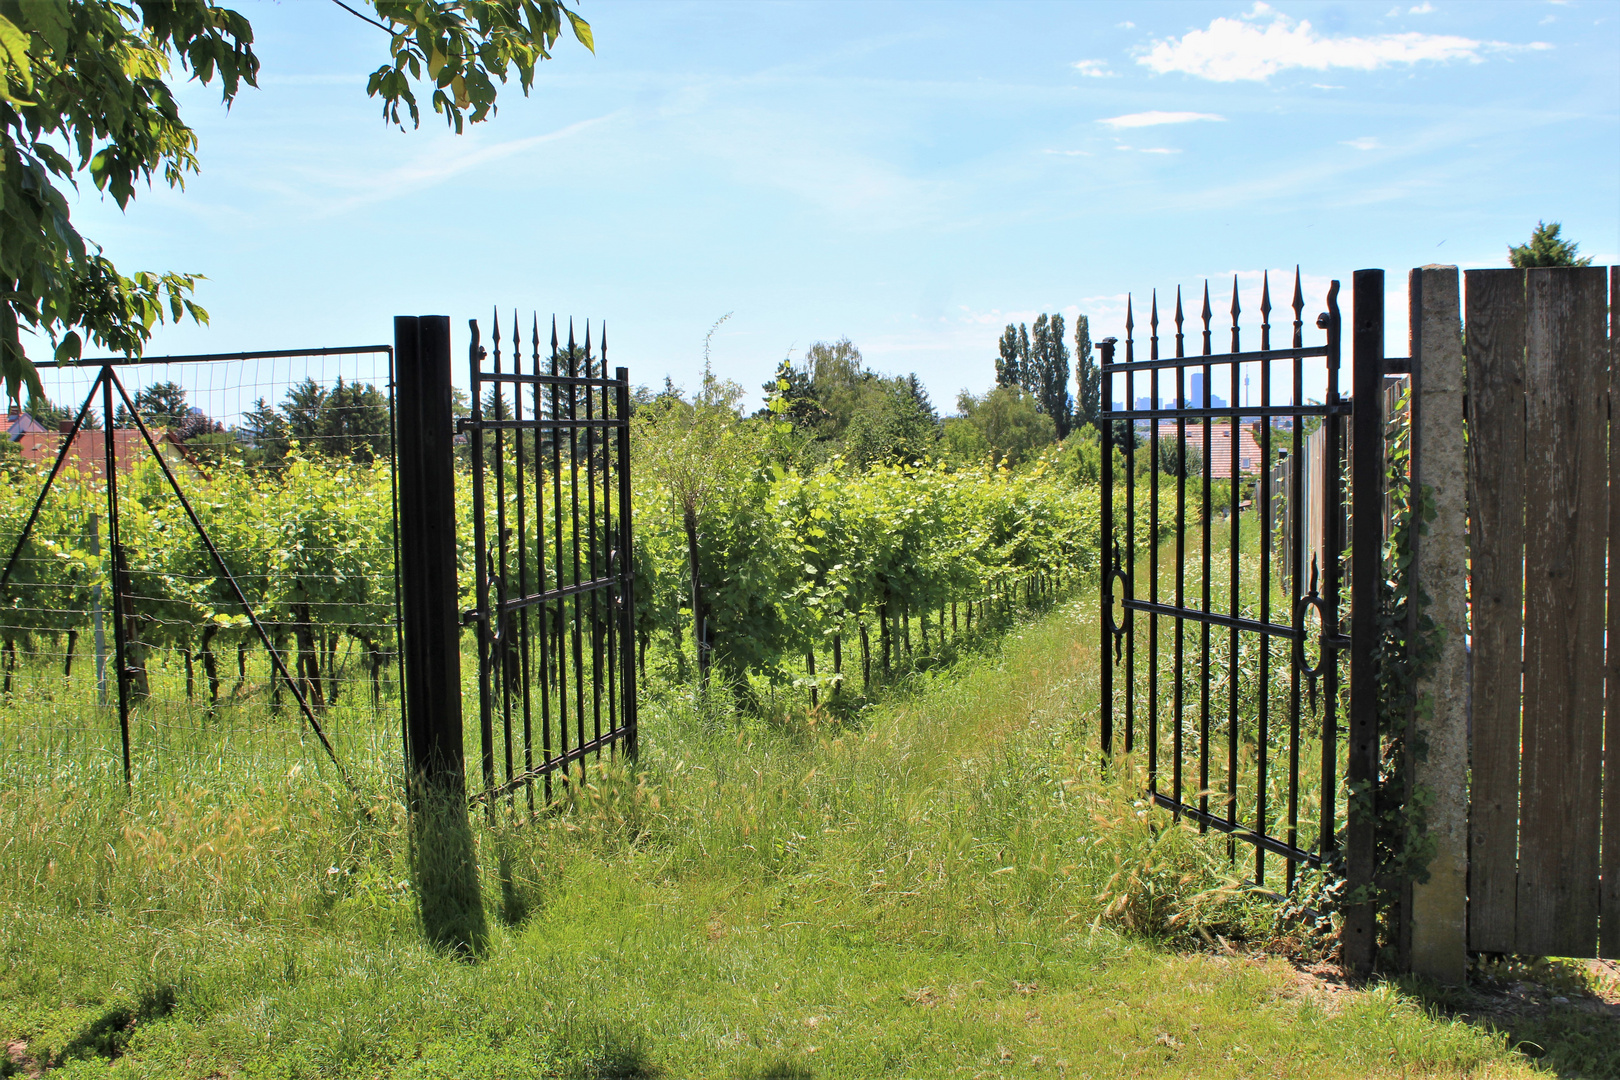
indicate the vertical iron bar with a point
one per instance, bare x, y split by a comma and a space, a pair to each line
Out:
590, 542
1130, 531
543, 615
573, 494
1203, 629
1179, 704
610, 627
1233, 583
481, 625
1154, 460
560, 653
1262, 516
522, 437
500, 622
1106, 364
1296, 555
626, 567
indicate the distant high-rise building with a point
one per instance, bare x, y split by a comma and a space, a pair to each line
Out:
1195, 395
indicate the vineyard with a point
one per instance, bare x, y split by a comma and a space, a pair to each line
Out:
819, 586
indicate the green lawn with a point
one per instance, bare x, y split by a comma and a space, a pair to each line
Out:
947, 887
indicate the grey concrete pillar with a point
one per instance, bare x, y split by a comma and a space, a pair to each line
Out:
1439, 911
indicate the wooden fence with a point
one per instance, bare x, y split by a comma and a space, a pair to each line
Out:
1544, 821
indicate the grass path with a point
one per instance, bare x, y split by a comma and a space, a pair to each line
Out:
946, 889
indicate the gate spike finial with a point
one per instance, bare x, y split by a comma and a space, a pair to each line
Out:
572, 347
495, 333
1235, 309
1265, 310
1207, 314
588, 365
1299, 312
1153, 321
1130, 326
1179, 320
554, 335
602, 345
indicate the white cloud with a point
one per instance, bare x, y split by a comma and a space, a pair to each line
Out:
1096, 69
1366, 142
1422, 9
1155, 118
1159, 150
1324, 86
1068, 153
1238, 49
1126, 25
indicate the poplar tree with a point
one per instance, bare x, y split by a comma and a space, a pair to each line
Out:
1087, 374
1048, 372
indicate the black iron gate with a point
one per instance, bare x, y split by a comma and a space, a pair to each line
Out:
549, 439
1222, 572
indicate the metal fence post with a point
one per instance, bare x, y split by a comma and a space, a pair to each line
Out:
1360, 936
443, 852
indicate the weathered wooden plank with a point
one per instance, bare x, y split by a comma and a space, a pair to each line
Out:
1610, 893
1566, 521
1495, 322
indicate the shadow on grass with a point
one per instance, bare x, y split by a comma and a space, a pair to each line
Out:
109, 1034
602, 1052
1551, 1011
776, 1068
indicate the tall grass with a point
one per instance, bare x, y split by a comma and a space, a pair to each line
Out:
950, 884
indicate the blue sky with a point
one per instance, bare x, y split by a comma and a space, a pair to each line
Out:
913, 176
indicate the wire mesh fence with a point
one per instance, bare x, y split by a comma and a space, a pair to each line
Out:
199, 563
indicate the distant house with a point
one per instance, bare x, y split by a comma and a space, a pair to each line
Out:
88, 454
1219, 457
19, 424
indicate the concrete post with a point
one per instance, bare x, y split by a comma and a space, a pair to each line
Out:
1439, 911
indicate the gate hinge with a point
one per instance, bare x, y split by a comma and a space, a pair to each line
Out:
1335, 641
471, 616
1342, 407
465, 425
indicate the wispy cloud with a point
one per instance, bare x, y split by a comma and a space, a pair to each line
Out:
1421, 9
1096, 69
1265, 41
1155, 118
1366, 142
1068, 153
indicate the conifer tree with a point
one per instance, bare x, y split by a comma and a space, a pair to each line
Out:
1546, 248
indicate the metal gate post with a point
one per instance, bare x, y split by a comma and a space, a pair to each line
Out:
443, 854
1366, 558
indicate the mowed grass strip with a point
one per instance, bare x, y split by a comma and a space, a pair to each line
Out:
947, 888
